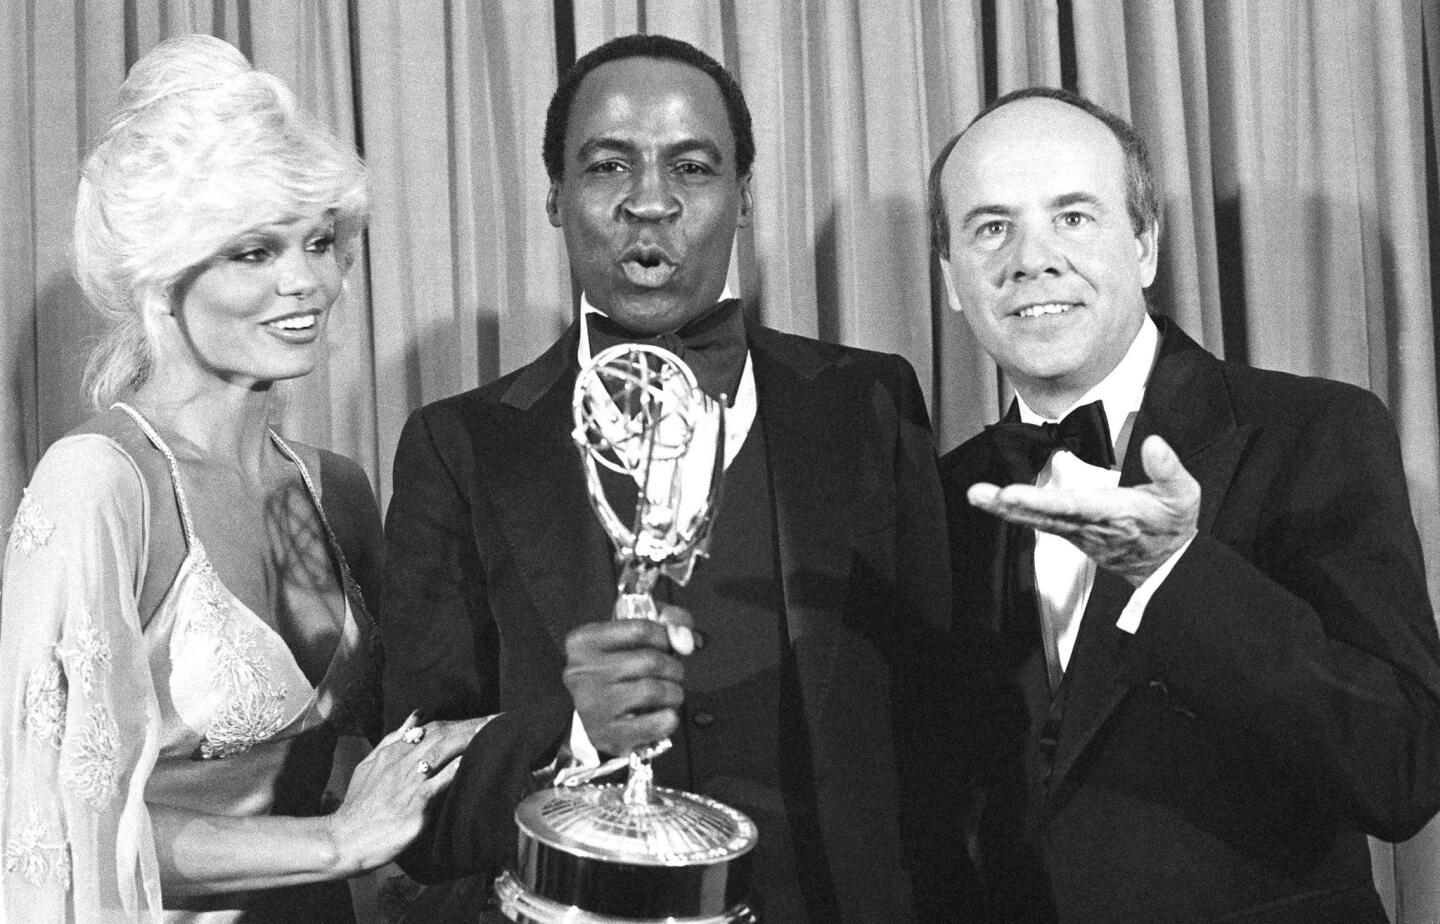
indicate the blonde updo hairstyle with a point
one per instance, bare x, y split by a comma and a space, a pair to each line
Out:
202, 146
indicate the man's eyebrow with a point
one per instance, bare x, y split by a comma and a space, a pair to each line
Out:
1064, 201
704, 145
1076, 198
603, 143
979, 210
623, 145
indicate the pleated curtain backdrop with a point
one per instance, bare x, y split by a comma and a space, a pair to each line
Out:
1296, 142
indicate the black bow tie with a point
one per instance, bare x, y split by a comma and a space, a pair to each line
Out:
1025, 448
713, 346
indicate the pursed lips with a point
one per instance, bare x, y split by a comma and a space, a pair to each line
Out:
647, 266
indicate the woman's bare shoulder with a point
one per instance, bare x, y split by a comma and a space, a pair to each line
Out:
120, 430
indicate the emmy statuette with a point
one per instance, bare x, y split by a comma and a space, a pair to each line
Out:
634, 852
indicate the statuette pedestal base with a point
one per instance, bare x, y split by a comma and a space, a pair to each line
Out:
589, 857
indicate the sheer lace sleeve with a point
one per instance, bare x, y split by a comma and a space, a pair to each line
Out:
79, 723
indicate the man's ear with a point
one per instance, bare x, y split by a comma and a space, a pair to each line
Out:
1147, 247
552, 203
950, 295
747, 204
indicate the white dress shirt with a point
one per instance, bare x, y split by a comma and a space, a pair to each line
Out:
1064, 576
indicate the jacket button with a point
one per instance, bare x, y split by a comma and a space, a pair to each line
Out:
703, 719
1159, 687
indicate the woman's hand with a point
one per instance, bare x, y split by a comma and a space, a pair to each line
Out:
384, 807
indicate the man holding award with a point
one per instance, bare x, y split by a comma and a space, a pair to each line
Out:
812, 693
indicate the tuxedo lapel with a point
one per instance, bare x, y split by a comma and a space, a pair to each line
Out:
561, 552
813, 471
1094, 683
1188, 404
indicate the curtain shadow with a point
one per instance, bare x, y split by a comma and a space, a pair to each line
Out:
874, 264
431, 364
1230, 265
67, 329
487, 340
1432, 189
827, 287
753, 276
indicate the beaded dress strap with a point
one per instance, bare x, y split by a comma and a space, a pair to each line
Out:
299, 463
160, 444
348, 581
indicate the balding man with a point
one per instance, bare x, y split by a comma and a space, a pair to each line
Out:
1196, 586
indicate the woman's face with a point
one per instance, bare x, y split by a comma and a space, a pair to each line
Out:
256, 311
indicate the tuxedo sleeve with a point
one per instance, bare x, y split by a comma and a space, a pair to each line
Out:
442, 654
927, 694
435, 618
1312, 641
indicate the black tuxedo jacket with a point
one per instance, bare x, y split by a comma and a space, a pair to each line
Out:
1280, 700
495, 555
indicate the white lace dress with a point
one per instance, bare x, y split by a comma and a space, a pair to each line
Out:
204, 707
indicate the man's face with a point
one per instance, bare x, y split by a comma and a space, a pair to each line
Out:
650, 201
1043, 259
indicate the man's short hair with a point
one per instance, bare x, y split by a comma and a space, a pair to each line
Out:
1141, 202
557, 117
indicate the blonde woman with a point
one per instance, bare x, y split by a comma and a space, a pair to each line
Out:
182, 637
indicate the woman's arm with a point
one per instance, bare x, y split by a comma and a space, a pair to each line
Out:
382, 813
79, 721
79, 728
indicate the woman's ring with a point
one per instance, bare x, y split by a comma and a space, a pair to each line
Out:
414, 735
423, 768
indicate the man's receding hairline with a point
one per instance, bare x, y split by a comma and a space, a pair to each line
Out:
1089, 117
968, 131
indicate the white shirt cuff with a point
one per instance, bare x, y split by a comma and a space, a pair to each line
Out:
1134, 611
583, 754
